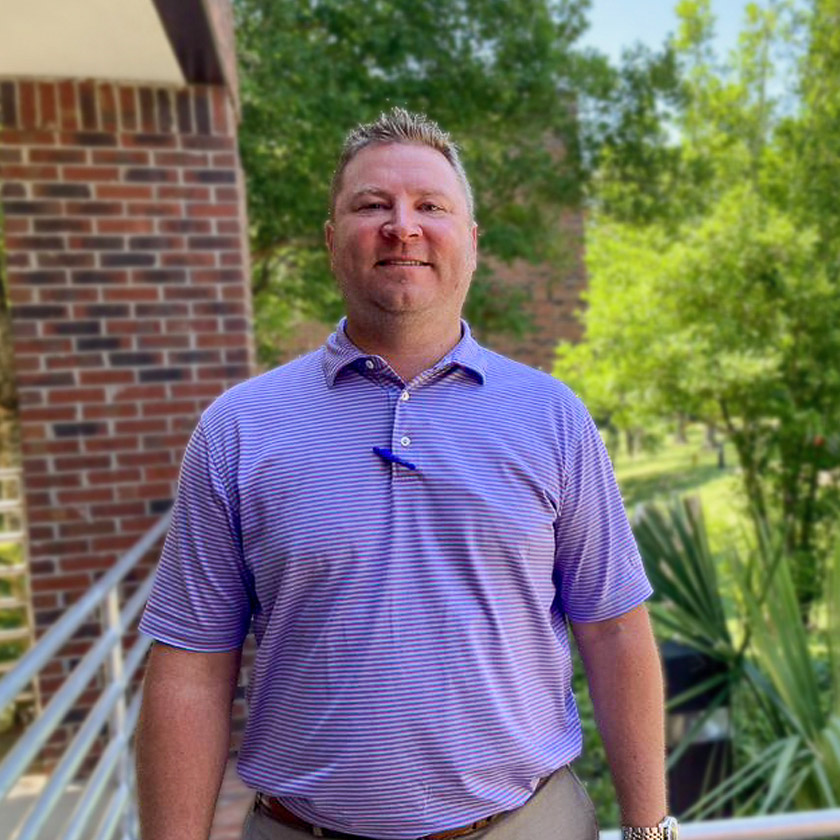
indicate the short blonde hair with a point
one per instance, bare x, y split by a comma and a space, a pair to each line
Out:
400, 126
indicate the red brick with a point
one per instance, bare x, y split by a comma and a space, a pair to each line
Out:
231, 259
19, 294
169, 473
65, 259
91, 173
38, 415
113, 477
48, 105
224, 160
133, 293
144, 459
18, 225
29, 173
163, 342
120, 157
129, 492
204, 142
119, 508
128, 108
200, 391
106, 377
140, 427
228, 194
63, 225
11, 155
184, 193
219, 97
112, 444
75, 396
133, 327
160, 208
57, 156
100, 412
63, 583
182, 159
142, 392
125, 225
94, 208
87, 105
147, 140
67, 295
232, 227
30, 137
113, 543
28, 117
91, 563
184, 226
67, 105
108, 107
124, 192
212, 210
164, 409
187, 258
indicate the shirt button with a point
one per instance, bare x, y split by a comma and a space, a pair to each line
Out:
369, 364
405, 396
405, 440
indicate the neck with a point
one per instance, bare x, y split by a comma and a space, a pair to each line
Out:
408, 348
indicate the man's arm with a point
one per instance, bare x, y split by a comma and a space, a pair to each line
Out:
625, 683
183, 738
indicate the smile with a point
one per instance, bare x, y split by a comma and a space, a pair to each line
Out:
402, 262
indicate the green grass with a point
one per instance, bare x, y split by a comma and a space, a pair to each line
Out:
687, 469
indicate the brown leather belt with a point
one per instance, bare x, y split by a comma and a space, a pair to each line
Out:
272, 807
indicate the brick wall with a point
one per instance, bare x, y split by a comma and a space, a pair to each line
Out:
126, 257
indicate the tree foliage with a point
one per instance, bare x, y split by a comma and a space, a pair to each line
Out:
714, 278
501, 77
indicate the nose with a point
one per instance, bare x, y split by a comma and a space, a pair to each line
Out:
402, 224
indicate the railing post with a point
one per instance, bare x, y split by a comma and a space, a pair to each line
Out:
114, 674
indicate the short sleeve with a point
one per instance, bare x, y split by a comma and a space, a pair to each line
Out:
202, 594
598, 571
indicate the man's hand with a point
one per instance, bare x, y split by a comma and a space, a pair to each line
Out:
183, 738
625, 683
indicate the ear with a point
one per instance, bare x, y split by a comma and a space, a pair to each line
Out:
329, 235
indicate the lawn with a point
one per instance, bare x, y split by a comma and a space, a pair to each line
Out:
686, 469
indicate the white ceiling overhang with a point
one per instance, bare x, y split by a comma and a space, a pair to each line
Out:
117, 40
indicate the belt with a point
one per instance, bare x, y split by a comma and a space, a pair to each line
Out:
274, 808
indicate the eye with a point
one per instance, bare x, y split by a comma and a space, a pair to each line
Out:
371, 205
431, 207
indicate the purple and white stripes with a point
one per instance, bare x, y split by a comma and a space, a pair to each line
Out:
413, 669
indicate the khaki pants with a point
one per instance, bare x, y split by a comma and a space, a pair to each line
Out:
559, 810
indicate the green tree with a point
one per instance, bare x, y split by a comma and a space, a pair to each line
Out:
501, 77
723, 303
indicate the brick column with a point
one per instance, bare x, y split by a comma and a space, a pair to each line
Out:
127, 263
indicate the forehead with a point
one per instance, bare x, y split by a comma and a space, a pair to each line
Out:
401, 167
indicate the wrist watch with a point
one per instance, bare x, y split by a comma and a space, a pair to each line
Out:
668, 829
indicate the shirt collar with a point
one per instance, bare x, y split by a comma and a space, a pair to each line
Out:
340, 352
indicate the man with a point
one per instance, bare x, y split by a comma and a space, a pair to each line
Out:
410, 522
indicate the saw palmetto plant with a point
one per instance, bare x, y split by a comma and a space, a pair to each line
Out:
785, 676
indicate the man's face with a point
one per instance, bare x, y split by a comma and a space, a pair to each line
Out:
402, 240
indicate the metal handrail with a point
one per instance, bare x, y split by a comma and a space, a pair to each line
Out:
113, 771
802, 825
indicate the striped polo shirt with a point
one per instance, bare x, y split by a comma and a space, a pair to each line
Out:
407, 556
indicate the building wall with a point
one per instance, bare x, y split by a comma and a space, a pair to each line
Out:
126, 256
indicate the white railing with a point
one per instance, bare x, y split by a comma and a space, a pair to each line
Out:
796, 826
114, 710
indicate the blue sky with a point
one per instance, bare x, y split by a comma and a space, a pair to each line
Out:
620, 23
